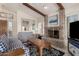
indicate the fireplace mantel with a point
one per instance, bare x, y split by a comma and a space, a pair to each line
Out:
57, 27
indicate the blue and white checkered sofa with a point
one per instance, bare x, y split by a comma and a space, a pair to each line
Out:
7, 44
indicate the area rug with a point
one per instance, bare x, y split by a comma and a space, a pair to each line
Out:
52, 52
33, 51
46, 52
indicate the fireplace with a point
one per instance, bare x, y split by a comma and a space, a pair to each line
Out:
53, 33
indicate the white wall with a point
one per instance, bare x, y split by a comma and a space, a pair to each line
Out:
72, 10
6, 10
22, 12
29, 15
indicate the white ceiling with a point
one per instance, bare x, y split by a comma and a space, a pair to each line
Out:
20, 8
52, 7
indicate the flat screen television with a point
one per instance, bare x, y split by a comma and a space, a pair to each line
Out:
74, 30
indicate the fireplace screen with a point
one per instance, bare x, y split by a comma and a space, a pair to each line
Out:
53, 33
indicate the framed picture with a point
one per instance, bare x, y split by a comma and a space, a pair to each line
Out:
53, 20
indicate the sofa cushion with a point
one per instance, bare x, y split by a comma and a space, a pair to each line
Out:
24, 36
2, 47
5, 40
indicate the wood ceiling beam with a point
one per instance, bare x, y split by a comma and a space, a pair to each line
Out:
61, 7
34, 9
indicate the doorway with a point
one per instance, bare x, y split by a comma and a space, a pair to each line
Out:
3, 27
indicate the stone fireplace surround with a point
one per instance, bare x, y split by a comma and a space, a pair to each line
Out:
58, 43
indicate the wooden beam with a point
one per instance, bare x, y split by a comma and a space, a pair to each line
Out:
34, 9
61, 7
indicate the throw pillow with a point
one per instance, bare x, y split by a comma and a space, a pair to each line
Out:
2, 47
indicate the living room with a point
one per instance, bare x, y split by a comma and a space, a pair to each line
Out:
43, 28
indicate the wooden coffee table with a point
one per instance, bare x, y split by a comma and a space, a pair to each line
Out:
41, 44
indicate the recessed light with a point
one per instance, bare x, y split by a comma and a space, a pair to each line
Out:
45, 7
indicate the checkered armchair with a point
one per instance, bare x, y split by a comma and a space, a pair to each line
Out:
10, 45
